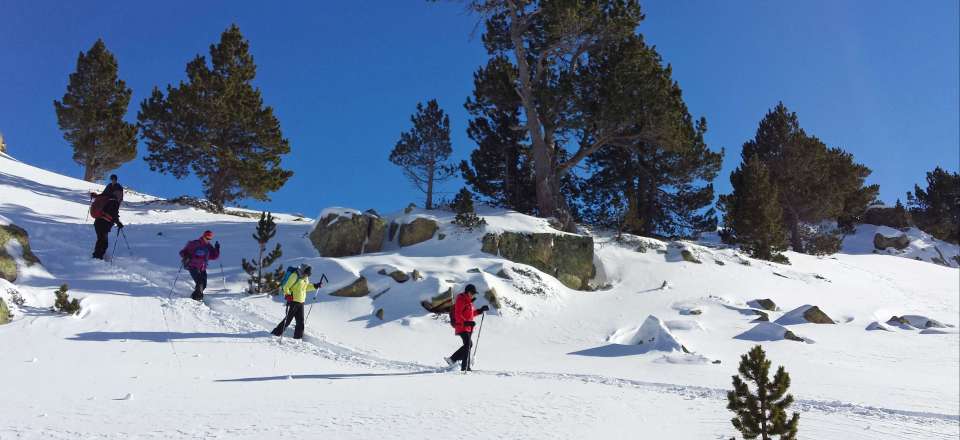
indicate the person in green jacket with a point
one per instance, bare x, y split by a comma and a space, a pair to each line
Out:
295, 291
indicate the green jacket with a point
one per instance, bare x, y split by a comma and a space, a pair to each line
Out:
297, 288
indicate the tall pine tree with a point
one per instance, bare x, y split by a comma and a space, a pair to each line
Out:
752, 212
815, 183
548, 42
216, 125
499, 168
91, 114
936, 209
658, 184
761, 413
423, 151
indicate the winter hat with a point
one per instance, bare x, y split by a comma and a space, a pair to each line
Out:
208, 235
471, 289
306, 269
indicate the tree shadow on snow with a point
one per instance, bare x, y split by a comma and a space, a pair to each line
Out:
332, 376
161, 336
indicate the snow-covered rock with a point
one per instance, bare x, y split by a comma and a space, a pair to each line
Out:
652, 335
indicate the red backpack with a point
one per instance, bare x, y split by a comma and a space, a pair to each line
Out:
96, 206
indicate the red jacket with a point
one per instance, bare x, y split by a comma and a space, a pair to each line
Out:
462, 313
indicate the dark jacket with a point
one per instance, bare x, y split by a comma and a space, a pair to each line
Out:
115, 190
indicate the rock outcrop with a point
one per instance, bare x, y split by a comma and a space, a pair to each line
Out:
8, 263
567, 257
4, 312
882, 242
764, 304
342, 234
805, 314
355, 289
419, 230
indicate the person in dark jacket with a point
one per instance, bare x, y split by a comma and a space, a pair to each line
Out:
109, 216
195, 256
114, 189
295, 291
463, 323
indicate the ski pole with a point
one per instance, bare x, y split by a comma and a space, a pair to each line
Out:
116, 240
223, 276
323, 278
125, 241
285, 322
170, 295
479, 331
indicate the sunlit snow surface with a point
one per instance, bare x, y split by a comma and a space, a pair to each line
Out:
143, 361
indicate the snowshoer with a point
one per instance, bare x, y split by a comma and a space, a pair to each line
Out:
195, 256
106, 213
113, 189
295, 292
463, 314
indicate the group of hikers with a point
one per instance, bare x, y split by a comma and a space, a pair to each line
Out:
196, 254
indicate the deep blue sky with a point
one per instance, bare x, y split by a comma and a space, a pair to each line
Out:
877, 78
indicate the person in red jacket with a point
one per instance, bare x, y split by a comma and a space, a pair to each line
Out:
463, 314
195, 256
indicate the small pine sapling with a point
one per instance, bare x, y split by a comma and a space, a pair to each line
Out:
258, 281
763, 413
466, 216
63, 303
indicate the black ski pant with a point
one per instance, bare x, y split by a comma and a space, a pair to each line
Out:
463, 353
199, 283
294, 311
103, 228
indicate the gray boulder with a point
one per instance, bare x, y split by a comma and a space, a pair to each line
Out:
816, 316
764, 304
4, 312
899, 242
355, 289
8, 265
567, 257
343, 235
418, 231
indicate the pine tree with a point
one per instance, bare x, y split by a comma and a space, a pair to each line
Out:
63, 303
466, 215
500, 168
762, 413
91, 114
549, 43
815, 183
659, 183
260, 283
215, 123
423, 151
937, 208
752, 212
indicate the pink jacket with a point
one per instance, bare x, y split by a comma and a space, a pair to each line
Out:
198, 252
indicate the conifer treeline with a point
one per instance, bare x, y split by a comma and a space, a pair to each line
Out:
214, 124
574, 117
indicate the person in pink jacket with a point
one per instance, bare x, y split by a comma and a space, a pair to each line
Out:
195, 256
463, 323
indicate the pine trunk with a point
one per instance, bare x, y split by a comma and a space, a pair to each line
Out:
793, 221
89, 172
429, 204
544, 171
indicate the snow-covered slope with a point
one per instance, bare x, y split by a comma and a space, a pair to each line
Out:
143, 360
